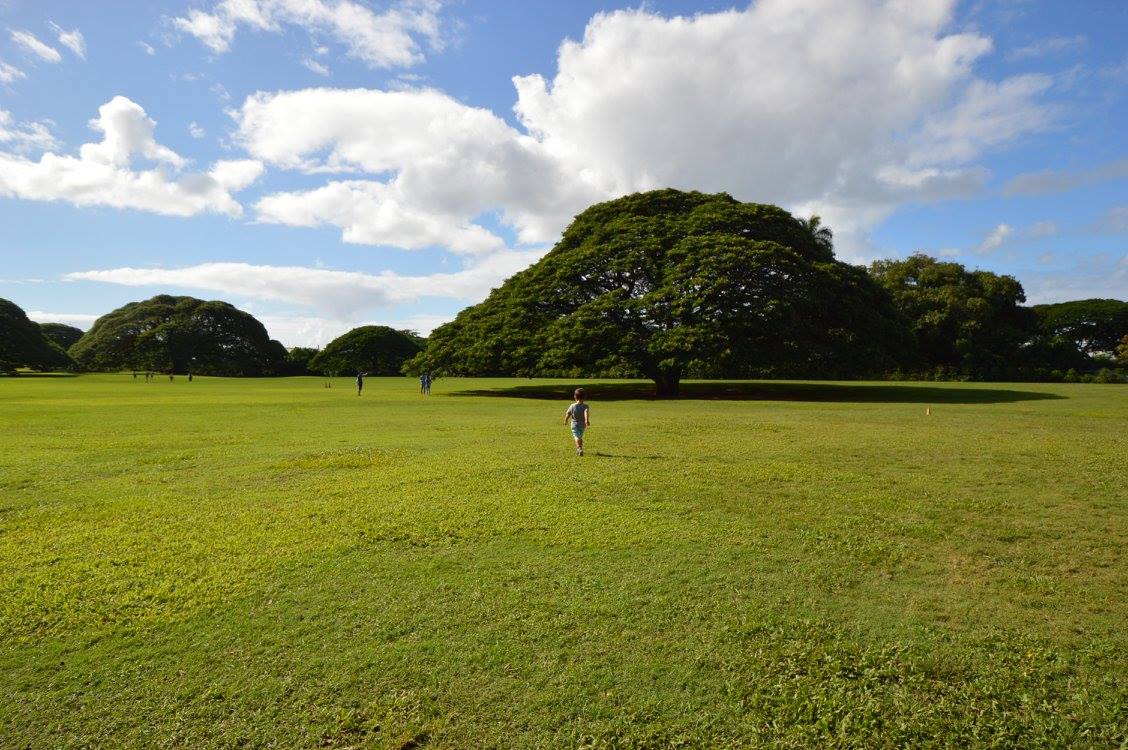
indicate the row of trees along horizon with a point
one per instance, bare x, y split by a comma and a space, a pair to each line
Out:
664, 285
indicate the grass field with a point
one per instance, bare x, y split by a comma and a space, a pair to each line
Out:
261, 563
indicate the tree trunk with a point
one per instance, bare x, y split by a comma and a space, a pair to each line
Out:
668, 383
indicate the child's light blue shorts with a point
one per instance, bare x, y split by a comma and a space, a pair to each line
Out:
577, 430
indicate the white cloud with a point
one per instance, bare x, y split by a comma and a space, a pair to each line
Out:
1040, 229
313, 331
25, 136
10, 73
342, 294
994, 239
103, 173
1100, 276
30, 44
78, 320
1050, 181
1048, 46
196, 130
72, 40
315, 66
380, 40
848, 109
449, 164
149, 49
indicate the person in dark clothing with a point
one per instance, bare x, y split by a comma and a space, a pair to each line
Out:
360, 382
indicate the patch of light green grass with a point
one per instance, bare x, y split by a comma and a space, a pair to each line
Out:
270, 562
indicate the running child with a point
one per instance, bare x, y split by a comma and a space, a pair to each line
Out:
579, 414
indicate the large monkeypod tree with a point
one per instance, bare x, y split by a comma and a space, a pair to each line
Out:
377, 350
22, 343
180, 334
670, 283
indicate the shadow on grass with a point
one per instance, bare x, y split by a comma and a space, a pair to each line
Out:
25, 374
774, 391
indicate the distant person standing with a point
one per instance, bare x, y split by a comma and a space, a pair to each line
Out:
360, 382
135, 374
578, 414
429, 381
189, 377
423, 384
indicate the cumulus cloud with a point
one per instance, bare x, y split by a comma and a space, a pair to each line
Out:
72, 40
305, 330
994, 239
10, 73
449, 164
378, 39
342, 294
1046, 182
31, 44
25, 136
78, 320
848, 109
104, 172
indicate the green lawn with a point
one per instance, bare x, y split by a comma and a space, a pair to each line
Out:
273, 563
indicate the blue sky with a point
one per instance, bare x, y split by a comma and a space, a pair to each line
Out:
327, 163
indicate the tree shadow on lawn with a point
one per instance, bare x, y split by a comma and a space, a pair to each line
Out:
772, 391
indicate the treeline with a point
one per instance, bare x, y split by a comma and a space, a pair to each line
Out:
184, 335
663, 285
669, 284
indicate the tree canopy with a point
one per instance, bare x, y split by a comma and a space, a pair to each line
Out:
971, 322
61, 334
376, 350
22, 343
180, 334
670, 283
1094, 325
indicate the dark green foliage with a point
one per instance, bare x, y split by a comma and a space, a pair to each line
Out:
668, 283
22, 343
298, 359
969, 323
376, 350
1122, 349
1093, 325
61, 334
180, 334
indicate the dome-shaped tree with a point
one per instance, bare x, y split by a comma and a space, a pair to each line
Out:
180, 334
377, 350
61, 334
666, 283
22, 343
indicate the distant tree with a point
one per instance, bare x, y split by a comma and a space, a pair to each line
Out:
61, 334
971, 322
1094, 325
669, 283
298, 359
1122, 350
377, 350
180, 334
22, 343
